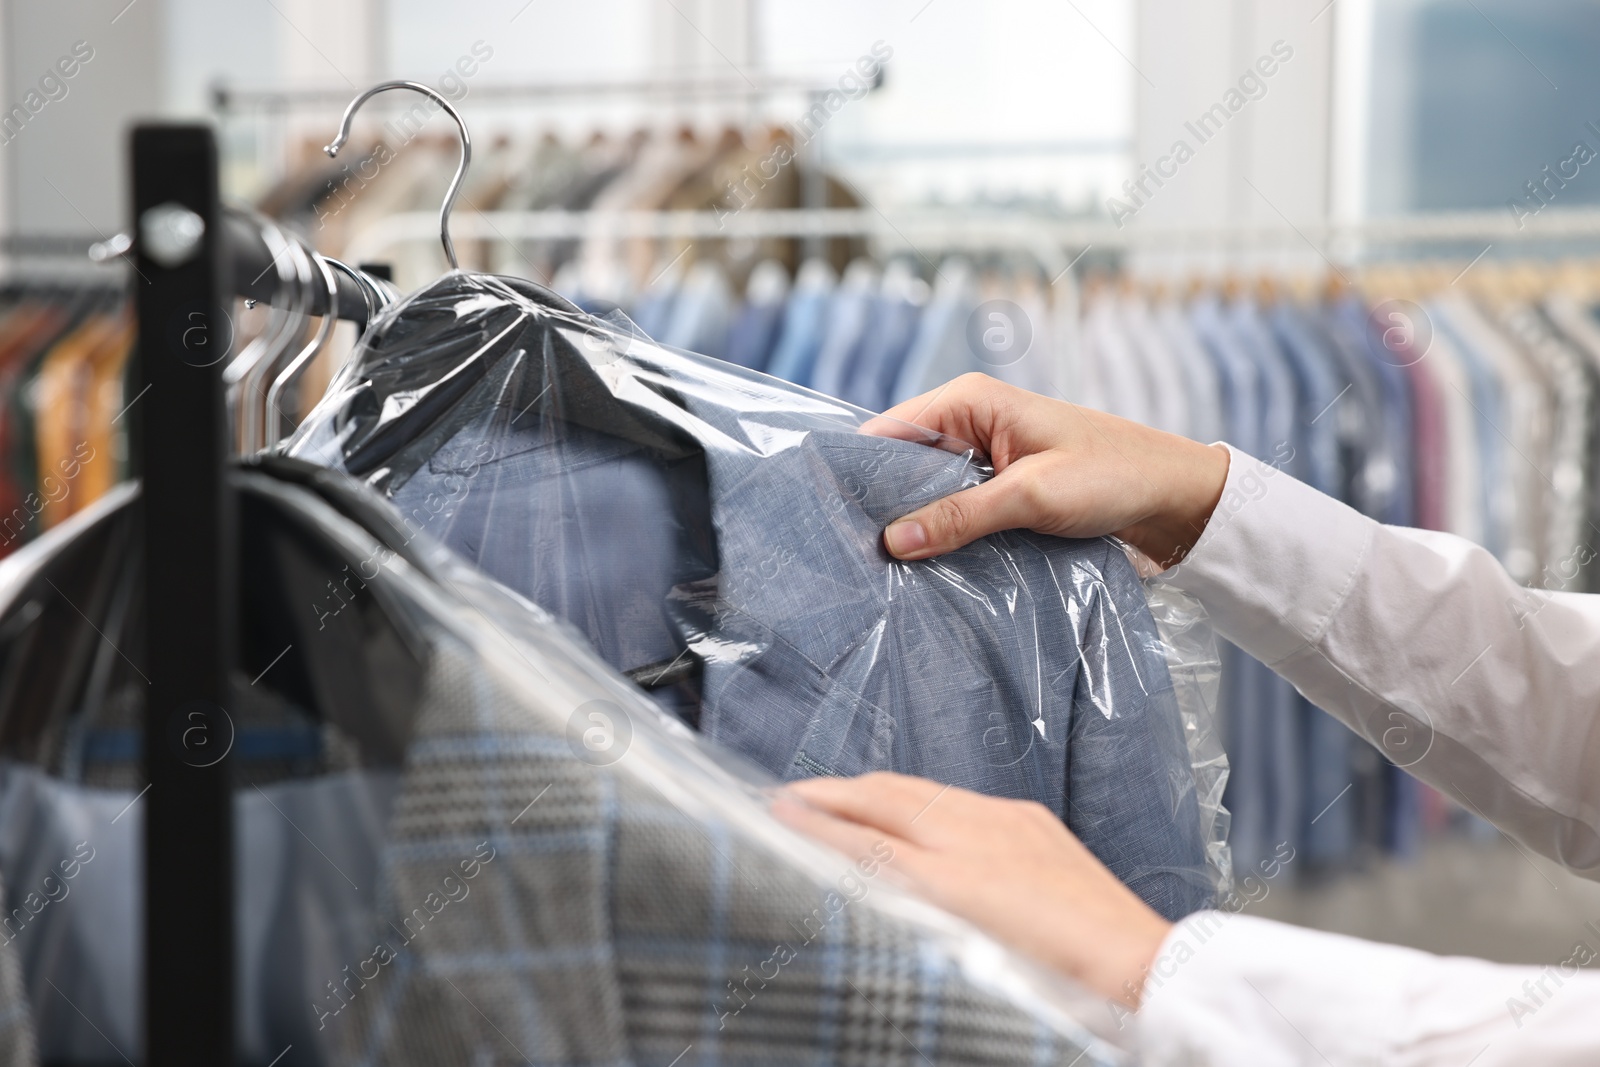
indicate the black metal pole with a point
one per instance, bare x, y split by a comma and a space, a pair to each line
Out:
180, 452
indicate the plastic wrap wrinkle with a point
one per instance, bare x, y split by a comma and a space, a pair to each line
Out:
1190, 648
669, 505
520, 649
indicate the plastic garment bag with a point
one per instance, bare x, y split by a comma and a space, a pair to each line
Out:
450, 867
715, 533
316, 730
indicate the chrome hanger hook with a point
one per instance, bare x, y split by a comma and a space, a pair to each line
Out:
461, 168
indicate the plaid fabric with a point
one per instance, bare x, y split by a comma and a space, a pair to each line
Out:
611, 927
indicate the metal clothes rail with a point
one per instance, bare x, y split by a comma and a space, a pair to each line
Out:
991, 229
228, 100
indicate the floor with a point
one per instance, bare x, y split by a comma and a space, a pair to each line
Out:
1489, 899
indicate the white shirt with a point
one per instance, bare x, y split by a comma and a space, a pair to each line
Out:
1490, 692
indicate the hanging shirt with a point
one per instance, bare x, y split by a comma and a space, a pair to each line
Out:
1522, 423
848, 315
804, 319
1162, 369
1326, 827
1112, 372
1200, 378
940, 351
755, 326
1282, 714
1572, 321
885, 343
1567, 379
701, 313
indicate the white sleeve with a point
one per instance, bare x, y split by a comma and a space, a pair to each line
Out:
1421, 643
1231, 989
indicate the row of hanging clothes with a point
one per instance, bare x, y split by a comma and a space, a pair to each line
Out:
533, 613
874, 336
1420, 397
676, 168
64, 351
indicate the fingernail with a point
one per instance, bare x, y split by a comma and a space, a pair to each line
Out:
904, 538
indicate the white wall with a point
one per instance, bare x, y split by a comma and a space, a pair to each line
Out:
64, 168
982, 100
1271, 163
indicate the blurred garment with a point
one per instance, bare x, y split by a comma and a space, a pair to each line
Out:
63, 356
754, 332
804, 320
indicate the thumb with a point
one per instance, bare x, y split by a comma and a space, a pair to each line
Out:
959, 519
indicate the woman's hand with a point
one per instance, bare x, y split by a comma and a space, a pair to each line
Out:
1060, 469
1007, 866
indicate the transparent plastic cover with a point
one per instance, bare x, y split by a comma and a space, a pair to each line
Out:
715, 534
498, 888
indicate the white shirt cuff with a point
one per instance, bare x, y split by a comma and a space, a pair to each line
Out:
1244, 537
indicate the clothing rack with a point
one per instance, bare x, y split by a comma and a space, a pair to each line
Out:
54, 258
192, 260
994, 229
227, 100
47, 244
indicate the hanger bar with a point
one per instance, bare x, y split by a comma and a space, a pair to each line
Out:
65, 245
989, 229
922, 151
226, 99
254, 270
255, 277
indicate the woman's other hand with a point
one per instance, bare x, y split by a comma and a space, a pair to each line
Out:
1008, 867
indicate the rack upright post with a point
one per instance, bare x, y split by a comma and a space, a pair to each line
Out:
188, 521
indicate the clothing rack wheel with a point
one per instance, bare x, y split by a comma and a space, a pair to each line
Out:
182, 288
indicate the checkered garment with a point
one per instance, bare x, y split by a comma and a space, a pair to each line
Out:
611, 927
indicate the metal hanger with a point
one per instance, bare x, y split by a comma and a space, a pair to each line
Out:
461, 168
377, 295
270, 426
273, 414
281, 321
260, 407
261, 373
376, 298
258, 377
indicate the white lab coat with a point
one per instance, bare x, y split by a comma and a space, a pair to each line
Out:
1488, 691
